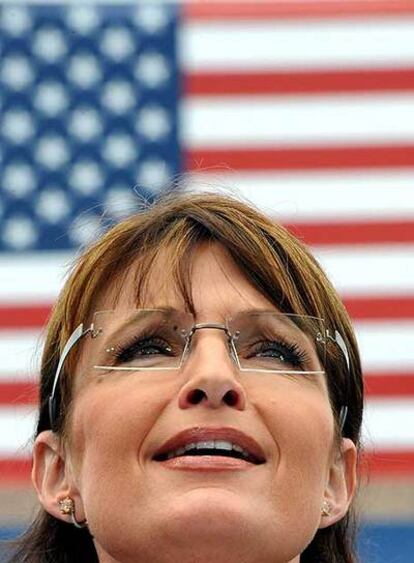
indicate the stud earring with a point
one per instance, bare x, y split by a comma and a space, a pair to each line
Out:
67, 507
326, 508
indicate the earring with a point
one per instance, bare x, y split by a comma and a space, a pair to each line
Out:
67, 507
326, 508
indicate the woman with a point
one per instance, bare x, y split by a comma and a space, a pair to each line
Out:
201, 398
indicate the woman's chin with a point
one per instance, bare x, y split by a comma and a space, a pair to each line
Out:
213, 516
211, 524
222, 522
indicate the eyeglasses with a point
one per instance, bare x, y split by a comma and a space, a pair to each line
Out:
148, 340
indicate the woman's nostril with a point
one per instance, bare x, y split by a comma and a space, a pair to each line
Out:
231, 398
195, 396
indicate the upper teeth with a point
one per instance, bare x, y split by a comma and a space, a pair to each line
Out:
208, 444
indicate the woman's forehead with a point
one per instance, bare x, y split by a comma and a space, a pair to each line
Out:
215, 283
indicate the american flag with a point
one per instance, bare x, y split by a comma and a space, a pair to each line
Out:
304, 108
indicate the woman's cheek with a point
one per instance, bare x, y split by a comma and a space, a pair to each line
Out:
104, 423
297, 417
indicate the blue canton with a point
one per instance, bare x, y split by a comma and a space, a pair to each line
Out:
88, 122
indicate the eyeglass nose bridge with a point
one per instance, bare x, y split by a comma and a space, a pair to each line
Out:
216, 326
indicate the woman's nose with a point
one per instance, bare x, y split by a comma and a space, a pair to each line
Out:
212, 381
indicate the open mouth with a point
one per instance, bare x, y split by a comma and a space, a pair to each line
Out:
219, 448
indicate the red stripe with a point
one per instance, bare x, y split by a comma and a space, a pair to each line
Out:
313, 158
380, 308
376, 385
262, 83
201, 11
23, 316
389, 385
15, 470
378, 464
18, 393
355, 232
391, 463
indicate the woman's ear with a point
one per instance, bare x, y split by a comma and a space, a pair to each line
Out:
51, 475
341, 484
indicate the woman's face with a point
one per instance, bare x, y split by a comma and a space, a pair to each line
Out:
142, 510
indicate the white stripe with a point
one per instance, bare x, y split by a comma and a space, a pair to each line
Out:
324, 44
20, 352
17, 426
389, 424
385, 347
362, 269
354, 270
298, 120
318, 196
36, 277
367, 270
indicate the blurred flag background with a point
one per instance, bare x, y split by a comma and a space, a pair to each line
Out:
304, 108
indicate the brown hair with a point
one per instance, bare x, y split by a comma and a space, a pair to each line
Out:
273, 260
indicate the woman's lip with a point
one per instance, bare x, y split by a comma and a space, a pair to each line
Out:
206, 463
200, 433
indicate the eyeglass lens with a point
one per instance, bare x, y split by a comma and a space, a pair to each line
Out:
157, 339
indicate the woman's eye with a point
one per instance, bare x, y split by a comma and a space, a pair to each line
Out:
146, 347
286, 353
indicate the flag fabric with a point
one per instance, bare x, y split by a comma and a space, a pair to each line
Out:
304, 108
88, 132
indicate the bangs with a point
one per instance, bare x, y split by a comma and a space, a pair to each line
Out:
168, 263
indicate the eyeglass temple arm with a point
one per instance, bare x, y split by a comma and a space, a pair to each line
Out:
76, 335
337, 338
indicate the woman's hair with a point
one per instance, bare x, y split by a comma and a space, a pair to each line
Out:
273, 260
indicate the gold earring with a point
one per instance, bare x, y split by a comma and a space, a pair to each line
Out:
326, 508
67, 507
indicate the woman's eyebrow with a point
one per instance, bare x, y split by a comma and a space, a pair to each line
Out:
228, 312
130, 321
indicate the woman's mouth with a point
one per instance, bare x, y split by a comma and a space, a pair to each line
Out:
209, 448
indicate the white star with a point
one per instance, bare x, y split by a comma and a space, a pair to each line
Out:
19, 232
49, 44
51, 98
120, 202
120, 149
84, 70
117, 43
16, 72
152, 69
152, 18
154, 174
83, 19
85, 124
17, 126
19, 179
85, 228
118, 96
86, 177
52, 205
153, 123
52, 151
15, 20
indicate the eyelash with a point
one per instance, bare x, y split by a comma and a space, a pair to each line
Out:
296, 356
121, 352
